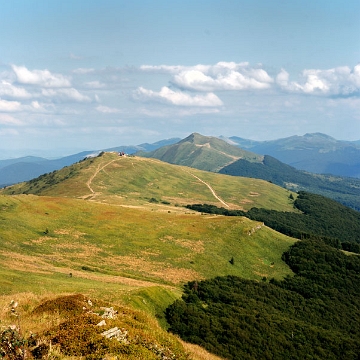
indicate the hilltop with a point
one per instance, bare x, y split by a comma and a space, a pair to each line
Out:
201, 152
213, 154
138, 181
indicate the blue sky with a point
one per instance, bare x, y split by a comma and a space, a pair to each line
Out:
83, 75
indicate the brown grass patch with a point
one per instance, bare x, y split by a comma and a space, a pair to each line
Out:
27, 263
197, 352
195, 246
72, 232
161, 270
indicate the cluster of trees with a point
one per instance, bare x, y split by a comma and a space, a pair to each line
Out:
319, 218
312, 315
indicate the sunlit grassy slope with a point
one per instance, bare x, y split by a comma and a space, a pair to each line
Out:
135, 181
117, 225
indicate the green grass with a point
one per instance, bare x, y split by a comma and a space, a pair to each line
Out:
134, 181
122, 235
122, 248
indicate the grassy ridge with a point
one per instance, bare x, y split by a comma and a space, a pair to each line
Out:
117, 226
134, 181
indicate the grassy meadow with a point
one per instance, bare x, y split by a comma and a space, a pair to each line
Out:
114, 229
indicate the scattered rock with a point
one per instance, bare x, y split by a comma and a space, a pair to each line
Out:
109, 313
116, 333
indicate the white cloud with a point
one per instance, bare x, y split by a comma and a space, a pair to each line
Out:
9, 106
168, 96
65, 95
107, 110
6, 119
336, 81
173, 69
9, 90
42, 78
221, 76
282, 78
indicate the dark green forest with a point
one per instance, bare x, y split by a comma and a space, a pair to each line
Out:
318, 218
342, 189
314, 314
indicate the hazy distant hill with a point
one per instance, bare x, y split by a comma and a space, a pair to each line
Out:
131, 149
201, 152
26, 168
317, 153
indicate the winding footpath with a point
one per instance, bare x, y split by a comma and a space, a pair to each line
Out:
89, 182
211, 189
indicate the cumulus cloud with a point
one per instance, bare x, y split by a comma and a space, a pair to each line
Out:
173, 69
168, 96
42, 78
9, 106
6, 119
342, 81
221, 76
9, 90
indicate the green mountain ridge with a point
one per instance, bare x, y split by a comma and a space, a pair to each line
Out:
201, 152
213, 154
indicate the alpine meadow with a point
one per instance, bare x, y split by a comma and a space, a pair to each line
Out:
109, 244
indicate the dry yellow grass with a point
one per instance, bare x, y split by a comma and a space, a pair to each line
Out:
198, 353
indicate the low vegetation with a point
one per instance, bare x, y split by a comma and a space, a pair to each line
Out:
79, 327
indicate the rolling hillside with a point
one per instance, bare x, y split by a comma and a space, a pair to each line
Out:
137, 181
219, 156
344, 190
16, 170
113, 229
111, 234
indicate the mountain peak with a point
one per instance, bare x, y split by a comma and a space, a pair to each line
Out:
195, 138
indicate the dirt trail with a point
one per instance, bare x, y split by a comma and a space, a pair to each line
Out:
211, 189
99, 168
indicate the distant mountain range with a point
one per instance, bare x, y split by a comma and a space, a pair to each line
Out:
317, 153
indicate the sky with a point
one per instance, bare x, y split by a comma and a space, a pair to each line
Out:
88, 75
